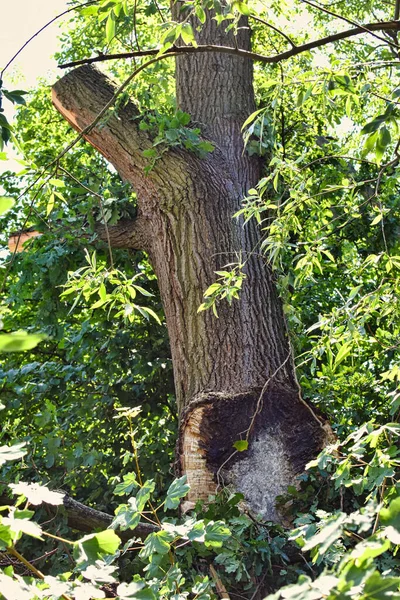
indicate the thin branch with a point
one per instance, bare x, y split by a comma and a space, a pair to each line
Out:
42, 29
100, 200
347, 20
175, 50
287, 38
29, 566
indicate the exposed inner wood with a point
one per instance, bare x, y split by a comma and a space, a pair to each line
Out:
193, 462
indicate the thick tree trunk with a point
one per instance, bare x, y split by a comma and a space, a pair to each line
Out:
234, 375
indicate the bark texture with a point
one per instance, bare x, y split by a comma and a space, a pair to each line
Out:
184, 222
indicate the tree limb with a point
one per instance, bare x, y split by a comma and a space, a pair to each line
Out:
276, 58
84, 518
127, 233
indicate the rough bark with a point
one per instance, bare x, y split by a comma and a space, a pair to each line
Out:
234, 375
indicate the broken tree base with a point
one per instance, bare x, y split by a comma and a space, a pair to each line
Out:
283, 434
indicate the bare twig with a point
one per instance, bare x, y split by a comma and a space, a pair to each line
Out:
259, 20
347, 20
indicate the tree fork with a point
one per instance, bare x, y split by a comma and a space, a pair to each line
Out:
186, 207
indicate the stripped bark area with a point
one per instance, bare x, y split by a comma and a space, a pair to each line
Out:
185, 223
283, 432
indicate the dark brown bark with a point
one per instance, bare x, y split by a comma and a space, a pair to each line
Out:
185, 210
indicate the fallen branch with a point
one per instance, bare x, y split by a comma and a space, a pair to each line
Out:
86, 519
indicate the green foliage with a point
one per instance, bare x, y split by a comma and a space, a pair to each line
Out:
227, 286
173, 132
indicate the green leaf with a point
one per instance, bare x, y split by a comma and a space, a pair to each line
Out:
50, 204
200, 13
20, 341
156, 543
177, 490
241, 445
369, 548
16, 96
5, 537
146, 312
19, 522
377, 219
110, 27
128, 484
143, 495
5, 204
251, 118
95, 546
127, 516
149, 153
384, 137
36, 494
373, 125
378, 587
327, 535
216, 533
390, 517
188, 35
242, 8
12, 452
214, 287
136, 590
102, 292
344, 351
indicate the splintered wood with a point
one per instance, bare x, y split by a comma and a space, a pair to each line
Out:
193, 459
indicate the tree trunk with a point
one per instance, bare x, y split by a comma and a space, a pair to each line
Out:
234, 375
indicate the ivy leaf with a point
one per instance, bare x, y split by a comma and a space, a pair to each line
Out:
36, 494
156, 543
215, 534
380, 588
391, 518
95, 546
19, 522
369, 548
128, 484
127, 516
327, 535
136, 590
12, 452
144, 494
177, 490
